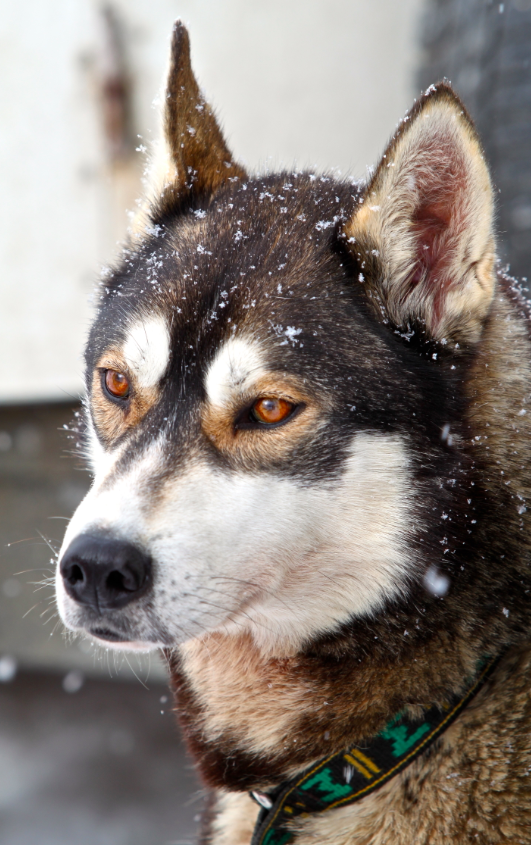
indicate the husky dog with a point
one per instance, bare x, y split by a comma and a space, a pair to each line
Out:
309, 422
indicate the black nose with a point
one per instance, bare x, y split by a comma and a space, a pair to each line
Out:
103, 573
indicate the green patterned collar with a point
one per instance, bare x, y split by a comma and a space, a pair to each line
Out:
354, 773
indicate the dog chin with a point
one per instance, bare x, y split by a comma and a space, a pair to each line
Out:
136, 646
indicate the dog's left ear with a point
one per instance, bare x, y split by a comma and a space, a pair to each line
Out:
423, 232
193, 160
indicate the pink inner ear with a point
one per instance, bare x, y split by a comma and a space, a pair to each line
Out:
437, 224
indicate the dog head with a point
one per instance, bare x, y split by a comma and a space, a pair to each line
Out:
273, 386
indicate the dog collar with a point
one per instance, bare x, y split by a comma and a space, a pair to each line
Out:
352, 774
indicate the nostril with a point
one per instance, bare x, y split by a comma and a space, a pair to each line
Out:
123, 582
115, 581
75, 575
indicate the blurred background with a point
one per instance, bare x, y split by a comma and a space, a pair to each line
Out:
89, 752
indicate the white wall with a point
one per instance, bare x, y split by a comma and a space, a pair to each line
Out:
317, 82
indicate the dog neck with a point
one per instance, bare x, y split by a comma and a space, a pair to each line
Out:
253, 722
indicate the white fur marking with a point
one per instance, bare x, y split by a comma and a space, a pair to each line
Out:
147, 350
237, 551
237, 364
346, 548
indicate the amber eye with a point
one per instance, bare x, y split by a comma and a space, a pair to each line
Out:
116, 384
271, 411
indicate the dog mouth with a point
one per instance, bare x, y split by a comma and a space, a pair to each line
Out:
120, 641
108, 635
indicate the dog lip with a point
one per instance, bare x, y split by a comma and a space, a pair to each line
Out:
107, 634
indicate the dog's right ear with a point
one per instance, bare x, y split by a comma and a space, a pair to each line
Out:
193, 160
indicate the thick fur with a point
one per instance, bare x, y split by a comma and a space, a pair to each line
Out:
313, 578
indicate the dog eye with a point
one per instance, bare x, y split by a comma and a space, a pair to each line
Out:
116, 384
271, 411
